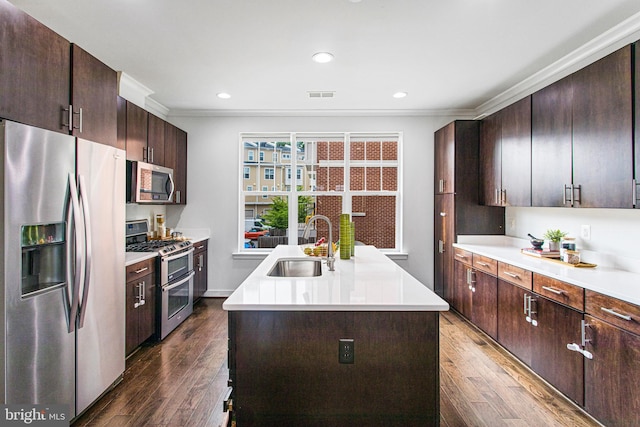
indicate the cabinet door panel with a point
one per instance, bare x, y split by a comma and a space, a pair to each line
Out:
551, 141
155, 140
137, 129
602, 132
147, 312
516, 153
94, 89
180, 172
485, 303
461, 297
131, 314
514, 332
613, 375
443, 250
558, 326
445, 159
34, 71
490, 160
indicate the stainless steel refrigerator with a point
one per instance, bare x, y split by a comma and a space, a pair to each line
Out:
63, 269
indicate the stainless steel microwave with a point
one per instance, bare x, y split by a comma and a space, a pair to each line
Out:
148, 183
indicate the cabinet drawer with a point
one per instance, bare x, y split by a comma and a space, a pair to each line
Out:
486, 264
617, 312
200, 246
463, 256
139, 269
516, 275
562, 292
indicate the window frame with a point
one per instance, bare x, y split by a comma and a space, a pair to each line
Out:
290, 161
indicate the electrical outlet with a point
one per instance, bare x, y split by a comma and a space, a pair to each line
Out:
585, 232
346, 351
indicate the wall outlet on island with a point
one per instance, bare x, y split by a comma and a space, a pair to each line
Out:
585, 232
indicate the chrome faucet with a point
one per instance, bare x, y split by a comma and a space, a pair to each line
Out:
305, 234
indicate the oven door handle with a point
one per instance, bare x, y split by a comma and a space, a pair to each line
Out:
175, 285
180, 255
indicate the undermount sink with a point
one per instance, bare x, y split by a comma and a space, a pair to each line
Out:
296, 267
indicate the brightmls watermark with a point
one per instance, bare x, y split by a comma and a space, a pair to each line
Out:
36, 415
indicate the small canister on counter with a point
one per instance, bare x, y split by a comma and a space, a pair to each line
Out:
567, 244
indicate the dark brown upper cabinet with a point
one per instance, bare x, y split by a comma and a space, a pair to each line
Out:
137, 130
180, 172
155, 140
582, 142
602, 132
94, 94
551, 143
35, 65
505, 156
444, 178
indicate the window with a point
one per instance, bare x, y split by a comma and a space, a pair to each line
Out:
251, 155
355, 173
247, 173
262, 156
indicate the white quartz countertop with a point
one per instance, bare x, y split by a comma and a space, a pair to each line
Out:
131, 258
369, 281
620, 284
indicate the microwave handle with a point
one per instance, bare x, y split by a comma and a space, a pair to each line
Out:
169, 198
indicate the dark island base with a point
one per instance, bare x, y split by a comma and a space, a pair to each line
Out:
284, 368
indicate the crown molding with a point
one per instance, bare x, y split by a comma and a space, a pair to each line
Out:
132, 90
462, 113
628, 31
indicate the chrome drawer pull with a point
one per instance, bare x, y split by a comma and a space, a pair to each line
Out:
461, 256
483, 264
553, 290
515, 276
141, 270
615, 313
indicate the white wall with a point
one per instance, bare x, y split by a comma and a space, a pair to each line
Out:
213, 172
615, 233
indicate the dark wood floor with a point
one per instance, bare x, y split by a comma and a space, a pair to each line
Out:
182, 381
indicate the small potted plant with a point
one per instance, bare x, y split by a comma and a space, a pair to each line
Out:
554, 237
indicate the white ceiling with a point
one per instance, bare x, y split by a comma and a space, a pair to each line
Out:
447, 54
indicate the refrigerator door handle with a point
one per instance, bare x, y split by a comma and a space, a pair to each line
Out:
79, 258
84, 201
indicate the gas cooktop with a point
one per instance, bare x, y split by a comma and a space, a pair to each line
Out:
136, 240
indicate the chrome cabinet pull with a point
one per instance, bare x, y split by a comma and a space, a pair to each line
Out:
529, 310
152, 154
200, 262
503, 197
483, 264
138, 297
177, 196
461, 256
615, 313
515, 276
564, 193
575, 199
635, 192
141, 270
441, 186
440, 246
553, 290
497, 197
580, 348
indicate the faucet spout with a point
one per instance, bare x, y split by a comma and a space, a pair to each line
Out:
307, 230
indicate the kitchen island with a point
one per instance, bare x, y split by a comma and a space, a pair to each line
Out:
287, 336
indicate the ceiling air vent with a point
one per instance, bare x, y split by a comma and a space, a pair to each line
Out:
321, 94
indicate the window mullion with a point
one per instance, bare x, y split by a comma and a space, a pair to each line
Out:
293, 198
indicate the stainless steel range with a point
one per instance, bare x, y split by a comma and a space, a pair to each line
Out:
174, 266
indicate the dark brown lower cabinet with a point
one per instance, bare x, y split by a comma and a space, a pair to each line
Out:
284, 368
484, 302
537, 330
200, 267
475, 296
140, 302
613, 375
514, 331
557, 326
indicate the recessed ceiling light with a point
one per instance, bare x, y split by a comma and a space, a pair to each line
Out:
224, 95
322, 57
400, 94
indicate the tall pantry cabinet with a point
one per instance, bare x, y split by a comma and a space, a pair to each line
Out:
456, 202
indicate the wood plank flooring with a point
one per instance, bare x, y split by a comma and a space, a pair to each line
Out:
182, 381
